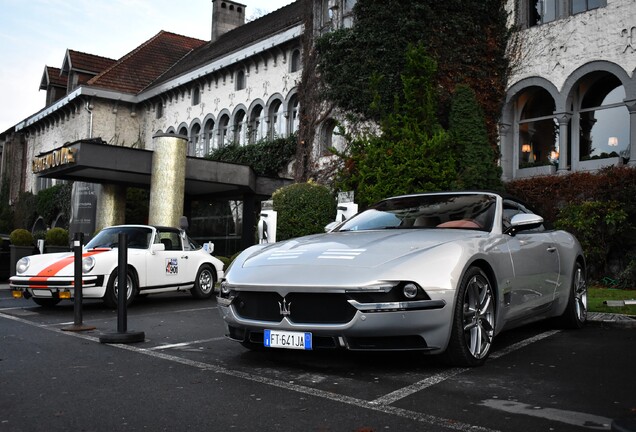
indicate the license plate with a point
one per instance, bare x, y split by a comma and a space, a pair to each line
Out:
287, 339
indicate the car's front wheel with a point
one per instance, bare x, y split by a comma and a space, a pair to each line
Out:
204, 283
112, 289
473, 324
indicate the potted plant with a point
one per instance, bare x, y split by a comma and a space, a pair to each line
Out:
21, 246
56, 240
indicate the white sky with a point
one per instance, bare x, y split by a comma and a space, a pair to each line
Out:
37, 33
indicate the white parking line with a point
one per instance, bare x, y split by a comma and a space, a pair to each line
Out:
184, 344
584, 420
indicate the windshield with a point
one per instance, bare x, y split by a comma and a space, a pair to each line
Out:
138, 238
459, 211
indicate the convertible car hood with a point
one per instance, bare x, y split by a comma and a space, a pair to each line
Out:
358, 248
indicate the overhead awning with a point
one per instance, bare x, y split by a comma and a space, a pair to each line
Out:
95, 161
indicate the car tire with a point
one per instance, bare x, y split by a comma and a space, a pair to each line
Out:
46, 302
204, 283
575, 314
473, 325
110, 297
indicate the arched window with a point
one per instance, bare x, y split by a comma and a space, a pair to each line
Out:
239, 129
224, 122
327, 136
293, 119
276, 120
198, 146
196, 95
538, 129
603, 119
240, 80
295, 61
184, 131
255, 129
208, 133
159, 109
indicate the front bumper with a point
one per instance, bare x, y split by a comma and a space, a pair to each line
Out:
92, 286
422, 325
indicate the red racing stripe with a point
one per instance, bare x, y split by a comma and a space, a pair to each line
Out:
56, 267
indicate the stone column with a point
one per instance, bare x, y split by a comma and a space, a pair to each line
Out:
167, 181
111, 206
564, 127
631, 106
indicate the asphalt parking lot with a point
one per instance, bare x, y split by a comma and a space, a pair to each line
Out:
186, 376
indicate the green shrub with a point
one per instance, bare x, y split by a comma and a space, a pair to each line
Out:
597, 225
57, 237
303, 209
21, 237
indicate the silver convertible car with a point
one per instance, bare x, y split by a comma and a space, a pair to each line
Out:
442, 273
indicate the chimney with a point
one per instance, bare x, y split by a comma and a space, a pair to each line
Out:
226, 15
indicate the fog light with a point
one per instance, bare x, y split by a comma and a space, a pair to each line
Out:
410, 291
64, 295
17, 294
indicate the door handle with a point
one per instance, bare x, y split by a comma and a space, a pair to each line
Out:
552, 249
184, 257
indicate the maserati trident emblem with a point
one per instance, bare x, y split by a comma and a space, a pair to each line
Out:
284, 308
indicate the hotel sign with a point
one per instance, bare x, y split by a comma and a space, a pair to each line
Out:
59, 157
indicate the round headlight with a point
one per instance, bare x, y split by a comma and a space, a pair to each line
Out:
225, 288
22, 265
410, 291
87, 264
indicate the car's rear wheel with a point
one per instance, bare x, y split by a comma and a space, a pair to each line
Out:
473, 324
112, 289
204, 283
575, 313
46, 302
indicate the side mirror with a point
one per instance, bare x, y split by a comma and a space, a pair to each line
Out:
523, 222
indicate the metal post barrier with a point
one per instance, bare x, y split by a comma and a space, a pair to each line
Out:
122, 335
77, 286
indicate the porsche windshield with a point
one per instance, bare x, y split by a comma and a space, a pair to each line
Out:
459, 211
137, 237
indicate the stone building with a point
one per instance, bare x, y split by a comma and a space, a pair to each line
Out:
570, 106
571, 102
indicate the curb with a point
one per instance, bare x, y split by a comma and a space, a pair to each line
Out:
611, 320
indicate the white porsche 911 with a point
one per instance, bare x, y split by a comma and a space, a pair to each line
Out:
160, 259
439, 273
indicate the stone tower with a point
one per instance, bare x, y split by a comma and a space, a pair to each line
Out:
226, 15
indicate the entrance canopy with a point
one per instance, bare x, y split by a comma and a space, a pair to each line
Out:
94, 161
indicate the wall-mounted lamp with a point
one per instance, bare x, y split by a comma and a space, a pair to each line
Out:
612, 141
554, 155
525, 148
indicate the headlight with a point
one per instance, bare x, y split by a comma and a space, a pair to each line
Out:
225, 289
22, 265
87, 264
410, 291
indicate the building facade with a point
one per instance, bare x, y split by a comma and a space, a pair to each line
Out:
571, 101
570, 106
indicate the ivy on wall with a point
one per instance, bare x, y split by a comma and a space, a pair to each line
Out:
266, 157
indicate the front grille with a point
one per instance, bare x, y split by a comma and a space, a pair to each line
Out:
302, 307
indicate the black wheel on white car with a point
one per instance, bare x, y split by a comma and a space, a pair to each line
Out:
575, 314
204, 283
112, 289
46, 302
473, 324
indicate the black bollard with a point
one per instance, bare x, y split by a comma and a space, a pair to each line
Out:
122, 335
77, 286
